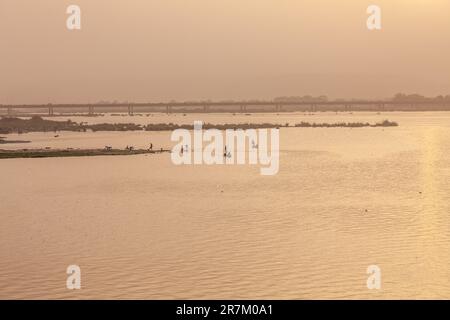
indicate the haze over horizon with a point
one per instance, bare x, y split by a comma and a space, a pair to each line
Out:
255, 49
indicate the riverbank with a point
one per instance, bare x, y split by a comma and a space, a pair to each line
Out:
49, 153
37, 124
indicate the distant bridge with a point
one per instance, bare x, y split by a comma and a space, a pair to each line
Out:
234, 106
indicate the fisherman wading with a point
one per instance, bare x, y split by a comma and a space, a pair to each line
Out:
237, 147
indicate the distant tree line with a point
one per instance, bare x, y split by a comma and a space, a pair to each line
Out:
399, 97
306, 98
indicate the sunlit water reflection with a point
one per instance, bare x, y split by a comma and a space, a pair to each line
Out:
140, 227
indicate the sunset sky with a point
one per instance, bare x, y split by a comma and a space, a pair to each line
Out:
159, 50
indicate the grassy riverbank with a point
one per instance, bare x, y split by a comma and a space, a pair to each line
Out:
38, 124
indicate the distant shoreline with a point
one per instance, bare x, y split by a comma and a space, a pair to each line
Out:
250, 112
37, 124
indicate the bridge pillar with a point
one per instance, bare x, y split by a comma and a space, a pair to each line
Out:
243, 108
205, 108
91, 110
130, 110
168, 109
50, 111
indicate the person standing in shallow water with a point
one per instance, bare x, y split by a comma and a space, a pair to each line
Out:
226, 153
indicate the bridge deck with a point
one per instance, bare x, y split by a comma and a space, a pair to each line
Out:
242, 106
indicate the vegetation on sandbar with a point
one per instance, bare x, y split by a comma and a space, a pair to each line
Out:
38, 124
48, 153
205, 126
385, 123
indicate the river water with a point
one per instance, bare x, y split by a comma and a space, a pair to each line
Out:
141, 227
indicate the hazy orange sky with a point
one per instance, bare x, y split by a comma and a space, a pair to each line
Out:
158, 50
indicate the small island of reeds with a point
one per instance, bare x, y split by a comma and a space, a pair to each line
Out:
38, 124
385, 123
